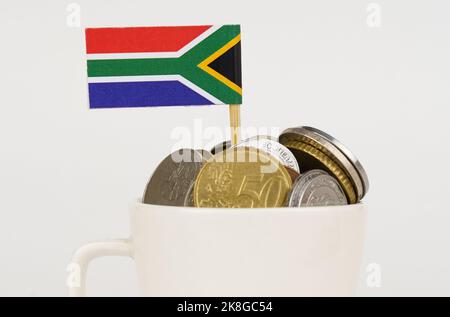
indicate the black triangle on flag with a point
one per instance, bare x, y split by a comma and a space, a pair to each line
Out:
229, 64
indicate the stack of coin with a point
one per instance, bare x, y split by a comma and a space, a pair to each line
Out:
304, 167
315, 149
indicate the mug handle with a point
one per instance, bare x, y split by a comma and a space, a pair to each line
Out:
84, 255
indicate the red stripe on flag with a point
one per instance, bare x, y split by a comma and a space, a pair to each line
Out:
141, 39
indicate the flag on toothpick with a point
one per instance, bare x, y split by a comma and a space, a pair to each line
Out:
164, 66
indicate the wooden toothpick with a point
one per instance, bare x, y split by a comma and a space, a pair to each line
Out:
235, 123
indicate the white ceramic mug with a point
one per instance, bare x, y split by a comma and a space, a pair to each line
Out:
183, 251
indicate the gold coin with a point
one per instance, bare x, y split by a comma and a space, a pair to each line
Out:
242, 178
328, 163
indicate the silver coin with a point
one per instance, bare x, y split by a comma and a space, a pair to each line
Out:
189, 199
341, 155
293, 199
173, 177
259, 137
324, 190
316, 188
274, 148
222, 146
206, 155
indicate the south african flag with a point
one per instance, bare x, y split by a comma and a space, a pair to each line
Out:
164, 66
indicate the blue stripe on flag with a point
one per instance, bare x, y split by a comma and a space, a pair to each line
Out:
143, 94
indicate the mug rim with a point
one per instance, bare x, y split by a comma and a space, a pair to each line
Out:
316, 209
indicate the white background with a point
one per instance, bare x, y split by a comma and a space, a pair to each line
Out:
67, 174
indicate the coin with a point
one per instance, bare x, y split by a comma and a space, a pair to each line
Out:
294, 175
260, 137
206, 155
316, 188
274, 148
236, 179
353, 159
173, 177
222, 146
293, 199
315, 149
312, 158
189, 198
